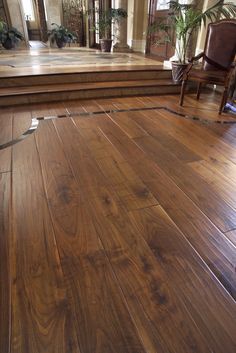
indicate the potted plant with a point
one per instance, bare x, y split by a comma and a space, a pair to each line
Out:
61, 35
9, 36
103, 25
185, 19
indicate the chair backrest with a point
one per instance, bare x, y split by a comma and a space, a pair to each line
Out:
220, 45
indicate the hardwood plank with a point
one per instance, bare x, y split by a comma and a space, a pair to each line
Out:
144, 284
224, 217
106, 104
126, 262
219, 212
222, 185
197, 139
128, 186
104, 323
5, 136
198, 229
206, 148
151, 126
231, 236
127, 103
127, 125
41, 317
5, 235
191, 276
49, 109
21, 123
147, 292
89, 175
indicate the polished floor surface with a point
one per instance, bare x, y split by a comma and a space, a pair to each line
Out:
67, 58
118, 228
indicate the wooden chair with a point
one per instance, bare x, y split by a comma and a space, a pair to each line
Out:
218, 56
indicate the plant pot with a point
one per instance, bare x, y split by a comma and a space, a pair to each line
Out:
178, 71
106, 45
9, 44
60, 43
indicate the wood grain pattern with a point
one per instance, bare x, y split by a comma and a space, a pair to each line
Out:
103, 322
181, 263
132, 192
41, 317
117, 231
140, 278
5, 136
200, 192
201, 232
5, 236
231, 236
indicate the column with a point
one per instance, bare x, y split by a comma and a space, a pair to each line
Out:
17, 19
203, 31
140, 23
120, 30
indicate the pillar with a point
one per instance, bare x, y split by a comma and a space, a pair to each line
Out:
120, 30
17, 19
140, 23
203, 31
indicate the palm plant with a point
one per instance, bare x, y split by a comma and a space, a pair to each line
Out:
105, 19
185, 19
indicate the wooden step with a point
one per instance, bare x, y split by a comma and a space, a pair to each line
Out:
20, 79
55, 92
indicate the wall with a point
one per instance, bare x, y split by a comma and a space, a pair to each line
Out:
17, 18
140, 24
54, 12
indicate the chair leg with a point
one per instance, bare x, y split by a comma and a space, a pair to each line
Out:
223, 100
182, 92
199, 90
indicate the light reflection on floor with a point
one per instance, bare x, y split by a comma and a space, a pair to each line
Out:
65, 57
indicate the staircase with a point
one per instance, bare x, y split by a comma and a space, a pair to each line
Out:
25, 89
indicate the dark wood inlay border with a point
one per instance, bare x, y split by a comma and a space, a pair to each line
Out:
35, 121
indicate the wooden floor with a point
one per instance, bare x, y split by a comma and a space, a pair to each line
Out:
118, 230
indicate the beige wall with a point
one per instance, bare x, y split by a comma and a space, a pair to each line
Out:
54, 12
17, 18
137, 24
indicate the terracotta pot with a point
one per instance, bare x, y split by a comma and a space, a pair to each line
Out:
8, 44
106, 45
178, 71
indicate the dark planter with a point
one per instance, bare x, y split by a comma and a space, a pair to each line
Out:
178, 71
105, 45
60, 43
9, 44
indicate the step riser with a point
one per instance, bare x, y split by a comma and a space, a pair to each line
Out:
84, 77
90, 93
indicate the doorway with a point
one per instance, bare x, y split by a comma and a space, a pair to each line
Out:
95, 7
156, 43
36, 20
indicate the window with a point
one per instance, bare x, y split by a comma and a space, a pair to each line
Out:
163, 5
28, 10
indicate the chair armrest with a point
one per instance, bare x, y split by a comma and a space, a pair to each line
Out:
197, 57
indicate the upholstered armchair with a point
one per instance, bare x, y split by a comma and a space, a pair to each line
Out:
217, 60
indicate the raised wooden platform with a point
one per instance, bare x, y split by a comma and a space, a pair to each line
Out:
72, 73
18, 87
